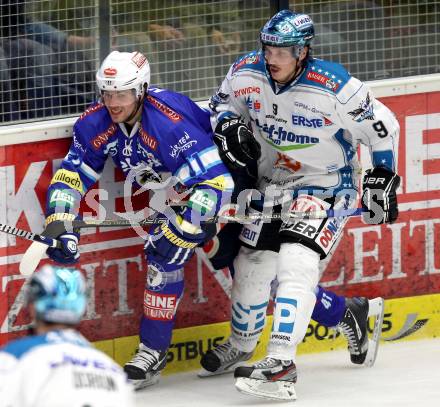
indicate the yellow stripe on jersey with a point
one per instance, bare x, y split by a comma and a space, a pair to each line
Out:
221, 183
68, 178
177, 241
59, 216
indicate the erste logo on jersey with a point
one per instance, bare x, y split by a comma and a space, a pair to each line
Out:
311, 123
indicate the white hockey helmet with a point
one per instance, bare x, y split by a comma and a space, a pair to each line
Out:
122, 71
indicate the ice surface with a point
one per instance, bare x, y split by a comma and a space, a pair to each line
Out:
405, 374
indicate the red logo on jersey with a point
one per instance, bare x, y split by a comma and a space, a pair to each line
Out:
327, 122
323, 80
170, 113
102, 138
160, 307
254, 59
91, 110
148, 140
307, 203
247, 91
284, 161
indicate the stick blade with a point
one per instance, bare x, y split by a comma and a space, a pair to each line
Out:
31, 258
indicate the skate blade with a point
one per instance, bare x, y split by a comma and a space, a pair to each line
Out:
376, 310
143, 383
264, 389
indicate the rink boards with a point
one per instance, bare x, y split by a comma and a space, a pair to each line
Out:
405, 319
393, 261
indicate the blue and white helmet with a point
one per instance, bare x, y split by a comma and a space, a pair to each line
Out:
58, 295
287, 28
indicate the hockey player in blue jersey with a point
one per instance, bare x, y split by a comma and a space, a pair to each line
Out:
308, 115
146, 132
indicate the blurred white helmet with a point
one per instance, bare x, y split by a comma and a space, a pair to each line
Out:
122, 71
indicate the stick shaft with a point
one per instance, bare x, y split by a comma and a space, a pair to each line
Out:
28, 235
329, 213
82, 224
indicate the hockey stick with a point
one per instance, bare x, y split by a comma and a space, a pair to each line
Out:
252, 217
47, 241
36, 250
91, 223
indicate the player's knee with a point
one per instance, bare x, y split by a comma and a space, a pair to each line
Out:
298, 266
158, 279
254, 271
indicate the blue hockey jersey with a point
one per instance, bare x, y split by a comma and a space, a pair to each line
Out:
174, 135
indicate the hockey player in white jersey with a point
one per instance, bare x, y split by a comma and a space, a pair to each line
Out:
309, 116
58, 367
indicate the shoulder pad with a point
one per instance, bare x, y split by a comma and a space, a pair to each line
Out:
162, 105
254, 60
326, 75
91, 110
20, 347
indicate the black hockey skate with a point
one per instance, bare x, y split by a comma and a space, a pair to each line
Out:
145, 367
222, 359
269, 378
354, 326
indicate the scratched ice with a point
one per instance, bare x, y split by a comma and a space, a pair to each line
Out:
405, 374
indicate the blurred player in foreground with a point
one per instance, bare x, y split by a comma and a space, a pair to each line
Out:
57, 366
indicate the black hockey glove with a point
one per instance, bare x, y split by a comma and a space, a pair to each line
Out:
56, 229
236, 143
379, 197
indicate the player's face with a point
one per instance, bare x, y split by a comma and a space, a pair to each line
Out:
120, 104
281, 63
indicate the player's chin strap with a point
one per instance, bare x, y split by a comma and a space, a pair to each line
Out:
138, 107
